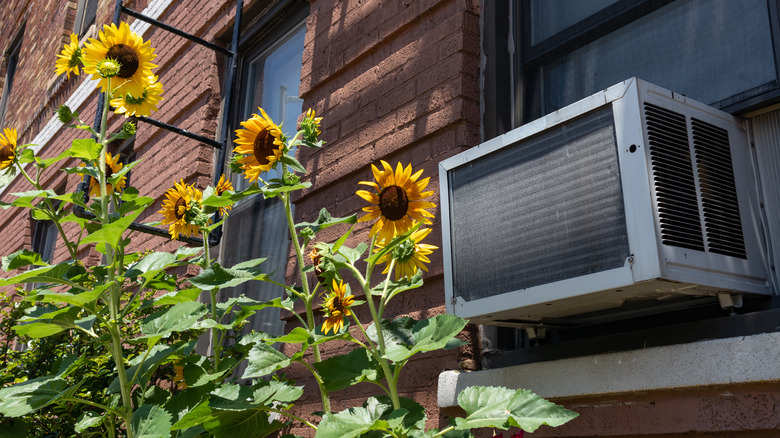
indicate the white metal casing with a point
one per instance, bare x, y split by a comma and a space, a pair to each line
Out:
654, 273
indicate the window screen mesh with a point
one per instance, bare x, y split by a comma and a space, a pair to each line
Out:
547, 208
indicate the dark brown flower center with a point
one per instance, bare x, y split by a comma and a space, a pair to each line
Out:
109, 171
127, 59
179, 212
6, 152
393, 203
264, 146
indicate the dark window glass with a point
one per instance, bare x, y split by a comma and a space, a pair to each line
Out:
85, 16
720, 52
12, 61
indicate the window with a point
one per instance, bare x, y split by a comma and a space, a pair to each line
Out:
85, 16
11, 59
541, 55
43, 239
256, 227
719, 52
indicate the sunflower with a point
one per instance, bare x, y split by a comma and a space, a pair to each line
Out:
112, 166
409, 255
129, 105
69, 59
222, 187
178, 376
181, 199
7, 148
397, 202
261, 143
337, 306
128, 49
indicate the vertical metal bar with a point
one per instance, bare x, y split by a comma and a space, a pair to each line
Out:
227, 111
230, 79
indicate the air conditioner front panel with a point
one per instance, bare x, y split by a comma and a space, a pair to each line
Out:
513, 236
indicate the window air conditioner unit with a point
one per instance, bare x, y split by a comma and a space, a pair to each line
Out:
633, 201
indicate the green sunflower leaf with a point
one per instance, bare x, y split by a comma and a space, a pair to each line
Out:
151, 421
145, 363
350, 423
263, 359
178, 318
393, 243
271, 192
396, 287
57, 274
81, 299
111, 233
249, 423
428, 335
20, 259
217, 276
502, 408
85, 148
151, 265
177, 296
294, 164
325, 220
343, 371
49, 161
33, 395
53, 322
27, 156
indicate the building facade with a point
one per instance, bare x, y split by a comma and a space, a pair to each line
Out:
419, 81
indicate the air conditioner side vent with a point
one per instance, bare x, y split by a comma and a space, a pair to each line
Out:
723, 226
673, 178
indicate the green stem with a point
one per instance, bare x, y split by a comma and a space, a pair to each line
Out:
52, 211
443, 431
383, 300
114, 293
93, 404
111, 426
308, 298
294, 417
371, 348
377, 317
216, 333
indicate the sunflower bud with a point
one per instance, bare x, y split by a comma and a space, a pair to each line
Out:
290, 179
307, 233
108, 68
64, 114
128, 129
235, 166
404, 251
310, 125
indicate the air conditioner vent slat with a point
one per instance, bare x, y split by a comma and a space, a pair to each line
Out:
723, 226
673, 178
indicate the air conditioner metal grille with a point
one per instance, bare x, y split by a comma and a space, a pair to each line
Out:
723, 226
544, 209
673, 178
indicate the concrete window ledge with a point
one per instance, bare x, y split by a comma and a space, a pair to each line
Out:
748, 359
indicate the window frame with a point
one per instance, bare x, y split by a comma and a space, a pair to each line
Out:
11, 61
260, 35
86, 14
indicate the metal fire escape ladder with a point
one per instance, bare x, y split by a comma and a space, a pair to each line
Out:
225, 123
